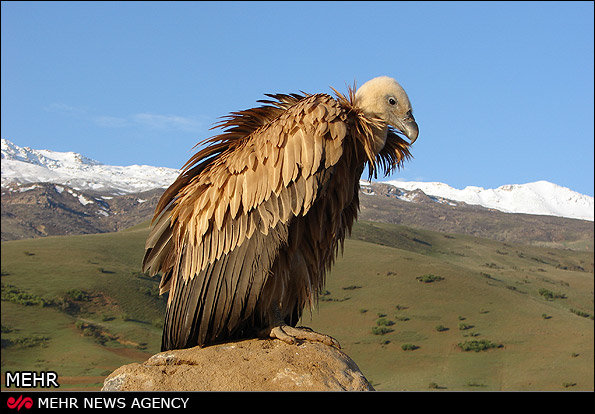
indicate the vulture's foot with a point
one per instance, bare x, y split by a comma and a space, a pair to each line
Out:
291, 335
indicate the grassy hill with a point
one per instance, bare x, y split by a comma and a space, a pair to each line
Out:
399, 300
100, 311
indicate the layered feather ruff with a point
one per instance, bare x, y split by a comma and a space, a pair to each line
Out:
254, 221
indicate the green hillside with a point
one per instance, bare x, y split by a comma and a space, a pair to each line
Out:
100, 311
399, 300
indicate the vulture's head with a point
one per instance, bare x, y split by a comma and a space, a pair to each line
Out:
384, 98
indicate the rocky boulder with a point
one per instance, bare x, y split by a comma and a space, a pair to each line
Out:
250, 365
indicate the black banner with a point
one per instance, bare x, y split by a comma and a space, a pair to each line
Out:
25, 401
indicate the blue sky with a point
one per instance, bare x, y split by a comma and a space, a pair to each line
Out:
503, 92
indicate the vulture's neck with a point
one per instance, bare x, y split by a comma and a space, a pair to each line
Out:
379, 134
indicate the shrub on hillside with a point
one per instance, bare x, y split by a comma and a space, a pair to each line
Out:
549, 295
15, 295
381, 330
94, 331
67, 305
464, 326
409, 347
478, 345
351, 287
78, 295
581, 313
429, 278
26, 341
384, 322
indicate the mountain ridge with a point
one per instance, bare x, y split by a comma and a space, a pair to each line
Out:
24, 165
69, 195
539, 197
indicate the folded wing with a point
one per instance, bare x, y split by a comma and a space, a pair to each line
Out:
219, 227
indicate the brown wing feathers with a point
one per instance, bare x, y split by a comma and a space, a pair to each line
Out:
219, 227
259, 213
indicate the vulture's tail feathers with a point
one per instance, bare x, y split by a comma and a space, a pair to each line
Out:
219, 302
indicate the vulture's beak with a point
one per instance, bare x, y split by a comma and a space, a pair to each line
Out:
410, 128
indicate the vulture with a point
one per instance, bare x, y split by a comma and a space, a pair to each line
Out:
244, 236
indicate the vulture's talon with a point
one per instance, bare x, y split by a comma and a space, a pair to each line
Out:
291, 335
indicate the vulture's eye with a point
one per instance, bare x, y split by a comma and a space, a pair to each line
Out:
392, 101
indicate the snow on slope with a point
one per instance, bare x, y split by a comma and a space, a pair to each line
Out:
26, 165
541, 197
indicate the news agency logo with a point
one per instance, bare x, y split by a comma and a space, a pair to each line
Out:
28, 379
19, 403
31, 379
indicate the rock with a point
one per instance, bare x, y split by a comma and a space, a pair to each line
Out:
250, 365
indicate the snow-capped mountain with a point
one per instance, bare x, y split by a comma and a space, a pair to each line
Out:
24, 165
541, 197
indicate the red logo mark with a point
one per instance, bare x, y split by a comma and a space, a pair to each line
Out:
12, 403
